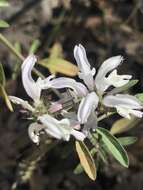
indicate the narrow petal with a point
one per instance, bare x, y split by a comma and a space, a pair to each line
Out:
81, 58
124, 112
78, 135
21, 102
125, 104
86, 73
32, 88
117, 80
136, 113
122, 100
58, 129
34, 132
106, 67
64, 82
87, 106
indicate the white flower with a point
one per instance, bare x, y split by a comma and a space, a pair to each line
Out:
90, 99
102, 81
126, 105
60, 129
32, 88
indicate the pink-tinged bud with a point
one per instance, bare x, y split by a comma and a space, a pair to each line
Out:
55, 107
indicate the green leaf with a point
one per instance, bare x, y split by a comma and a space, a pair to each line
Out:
127, 86
114, 147
125, 141
2, 76
3, 24
123, 125
59, 65
34, 46
5, 97
4, 3
139, 96
79, 169
86, 159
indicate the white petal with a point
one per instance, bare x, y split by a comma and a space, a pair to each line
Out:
117, 80
58, 129
34, 132
88, 79
125, 100
78, 135
124, 112
81, 58
87, 106
136, 113
86, 73
64, 82
21, 102
32, 88
107, 66
125, 105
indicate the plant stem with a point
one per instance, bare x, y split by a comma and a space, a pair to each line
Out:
104, 116
11, 47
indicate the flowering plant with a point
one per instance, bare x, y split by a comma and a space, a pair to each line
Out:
93, 99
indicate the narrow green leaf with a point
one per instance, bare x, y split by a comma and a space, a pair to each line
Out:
126, 141
2, 75
3, 24
139, 96
79, 169
86, 159
127, 86
4, 95
123, 125
34, 46
114, 147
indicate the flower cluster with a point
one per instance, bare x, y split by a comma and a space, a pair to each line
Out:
91, 98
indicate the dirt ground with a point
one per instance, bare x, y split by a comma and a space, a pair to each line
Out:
105, 28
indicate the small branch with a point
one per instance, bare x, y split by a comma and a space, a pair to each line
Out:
11, 47
104, 116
